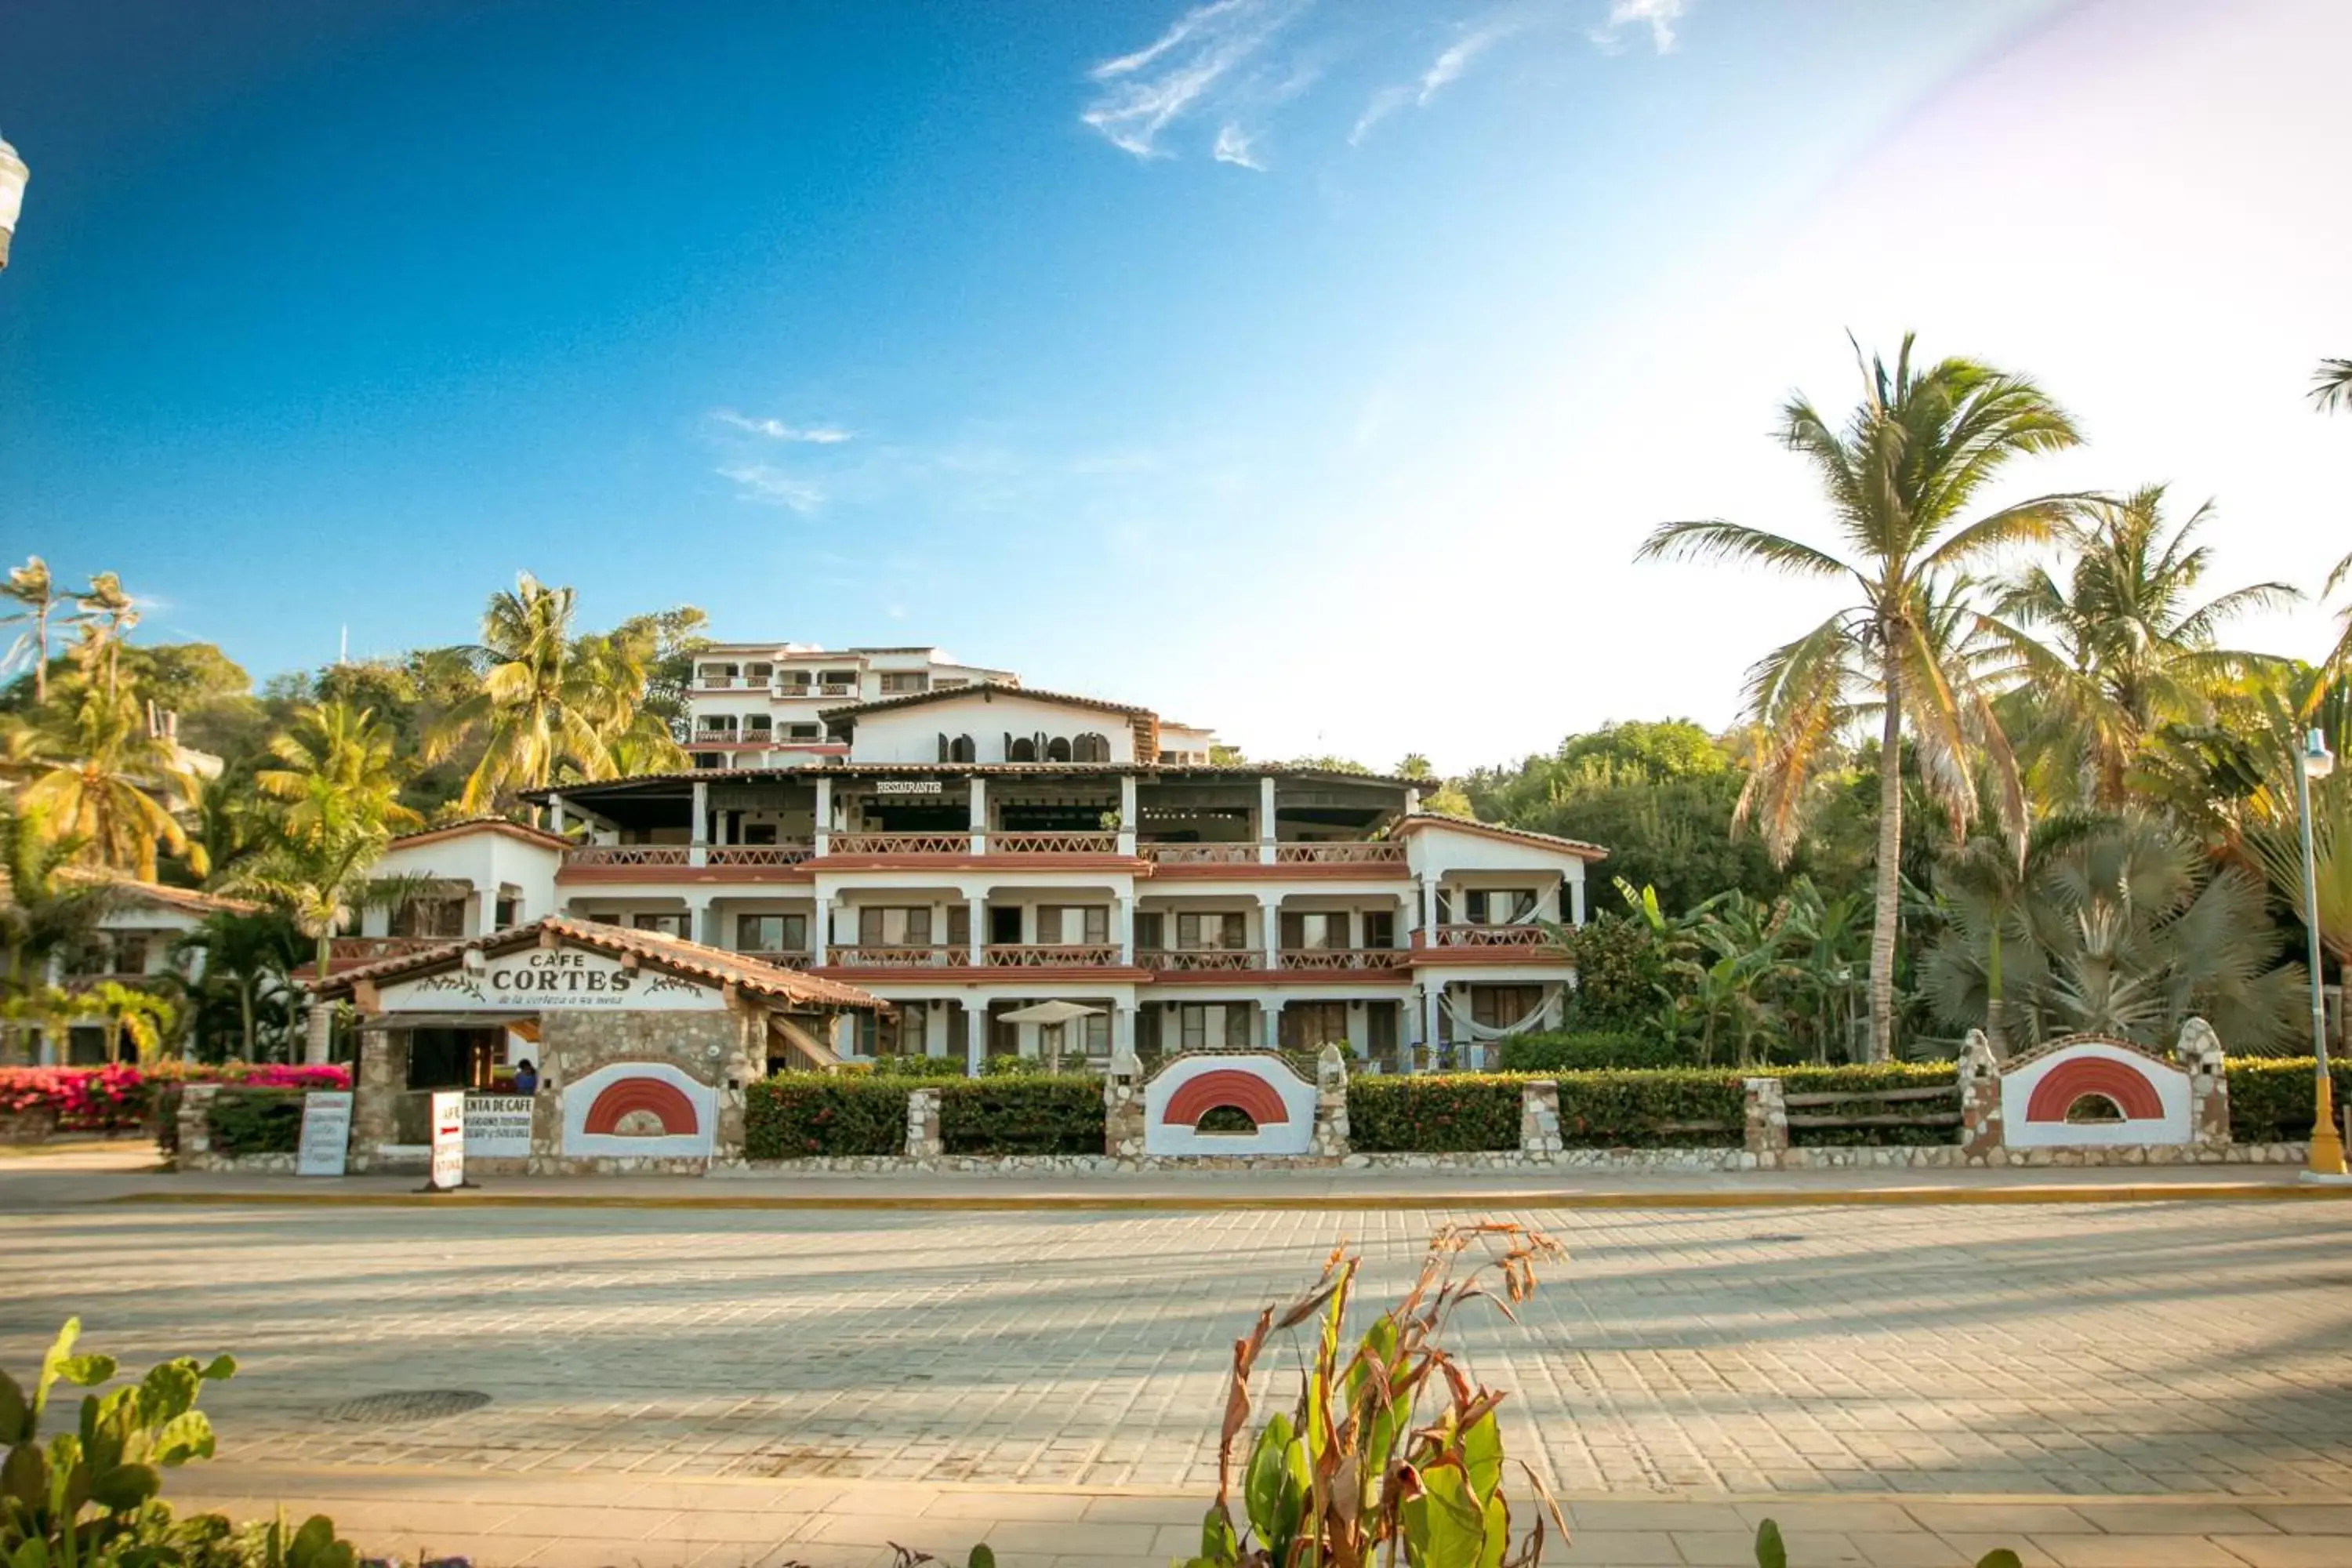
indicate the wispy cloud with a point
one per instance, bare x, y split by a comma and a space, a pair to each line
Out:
1442, 72
1234, 146
770, 486
1659, 16
1143, 93
777, 430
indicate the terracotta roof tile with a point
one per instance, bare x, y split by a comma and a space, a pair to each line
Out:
1492, 830
985, 689
478, 824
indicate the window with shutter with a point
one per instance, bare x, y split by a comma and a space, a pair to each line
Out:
1097, 925
1237, 1027
1380, 928
960, 925
869, 928
919, 927
1151, 931
1293, 931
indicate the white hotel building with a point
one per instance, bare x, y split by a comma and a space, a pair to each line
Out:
961, 847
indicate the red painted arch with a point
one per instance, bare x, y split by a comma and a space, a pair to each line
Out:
2122, 1082
1245, 1092
665, 1101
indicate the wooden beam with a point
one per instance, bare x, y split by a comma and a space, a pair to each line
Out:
364, 996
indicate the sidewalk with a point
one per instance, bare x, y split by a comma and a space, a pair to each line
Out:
592, 1521
128, 1172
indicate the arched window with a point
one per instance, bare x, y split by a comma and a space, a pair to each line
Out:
1058, 749
943, 748
1091, 748
1023, 750
961, 750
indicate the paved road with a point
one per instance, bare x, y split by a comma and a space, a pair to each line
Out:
2155, 1348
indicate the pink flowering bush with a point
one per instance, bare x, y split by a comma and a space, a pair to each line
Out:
120, 1096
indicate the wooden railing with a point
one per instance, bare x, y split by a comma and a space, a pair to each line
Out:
1383, 852
900, 844
1836, 1109
368, 949
758, 854
626, 855
1052, 842
1200, 854
1343, 958
1051, 956
896, 957
776, 960
1200, 959
1491, 936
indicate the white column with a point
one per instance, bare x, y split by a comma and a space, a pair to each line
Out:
979, 932
1431, 995
1127, 823
702, 923
318, 1036
1576, 901
975, 1036
935, 1028
1269, 928
1122, 1033
979, 814
820, 932
555, 813
697, 835
1413, 802
1123, 919
823, 816
1429, 911
1266, 819
1269, 1010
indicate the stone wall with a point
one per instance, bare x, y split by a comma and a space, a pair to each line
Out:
1331, 1140
924, 1141
725, 1048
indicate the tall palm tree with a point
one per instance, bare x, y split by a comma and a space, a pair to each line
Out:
247, 955
99, 778
105, 612
323, 881
1899, 475
335, 763
537, 705
2331, 385
45, 908
2122, 643
31, 586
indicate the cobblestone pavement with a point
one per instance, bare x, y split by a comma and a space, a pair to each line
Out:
2142, 1349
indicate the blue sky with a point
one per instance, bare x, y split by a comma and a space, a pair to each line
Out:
1310, 369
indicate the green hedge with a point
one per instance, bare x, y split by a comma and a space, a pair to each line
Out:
1022, 1114
1867, 1080
1435, 1113
919, 1068
2271, 1098
255, 1121
1582, 1050
794, 1115
1675, 1107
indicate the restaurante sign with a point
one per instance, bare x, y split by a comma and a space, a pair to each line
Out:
538, 979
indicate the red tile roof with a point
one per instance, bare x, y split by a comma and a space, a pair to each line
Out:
1576, 846
985, 689
523, 831
674, 954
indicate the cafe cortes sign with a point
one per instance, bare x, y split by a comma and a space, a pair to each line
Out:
538, 979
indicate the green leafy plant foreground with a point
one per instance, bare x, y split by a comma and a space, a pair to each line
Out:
798, 1115
92, 1496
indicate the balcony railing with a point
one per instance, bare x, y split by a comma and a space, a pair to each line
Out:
626, 855
1383, 852
1053, 843
835, 689
711, 682
901, 844
1490, 936
778, 960
1051, 956
1202, 854
1200, 959
1344, 958
757, 854
897, 956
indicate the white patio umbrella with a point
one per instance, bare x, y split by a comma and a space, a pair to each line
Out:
1055, 1014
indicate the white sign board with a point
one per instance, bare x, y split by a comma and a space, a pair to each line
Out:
539, 979
905, 786
497, 1126
449, 1138
326, 1134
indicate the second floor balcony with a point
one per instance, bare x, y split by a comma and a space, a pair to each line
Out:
994, 955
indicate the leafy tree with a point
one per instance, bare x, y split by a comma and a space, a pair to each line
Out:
1899, 475
99, 778
335, 765
104, 615
246, 958
2331, 384
1987, 884
45, 909
672, 637
324, 879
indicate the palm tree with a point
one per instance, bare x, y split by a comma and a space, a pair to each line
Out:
1910, 460
31, 586
45, 909
105, 613
323, 881
103, 780
335, 765
537, 705
2129, 646
247, 955
1985, 884
2331, 386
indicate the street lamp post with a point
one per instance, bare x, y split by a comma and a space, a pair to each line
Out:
2326, 1149
13, 175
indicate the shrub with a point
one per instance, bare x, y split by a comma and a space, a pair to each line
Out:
1872, 1079
109, 1099
1679, 1107
1572, 1050
1433, 1114
921, 1069
795, 1115
255, 1121
1035, 1067
2271, 1098
1041, 1113
92, 1492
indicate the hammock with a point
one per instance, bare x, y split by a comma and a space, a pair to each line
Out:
1476, 1031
